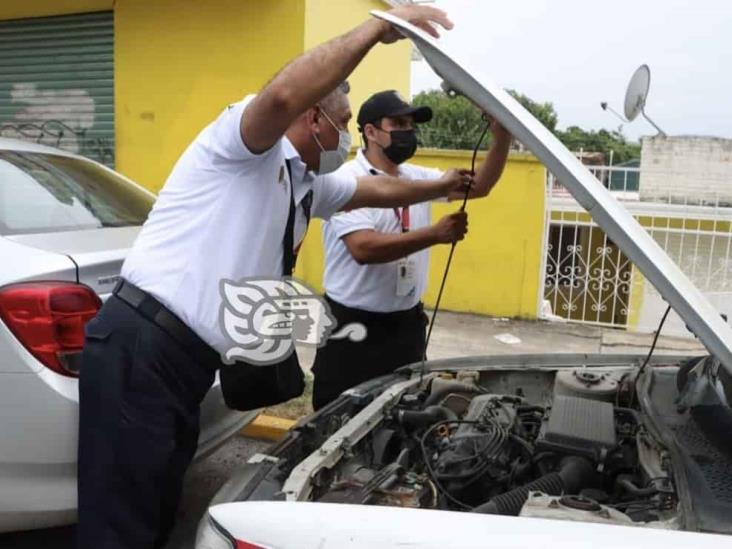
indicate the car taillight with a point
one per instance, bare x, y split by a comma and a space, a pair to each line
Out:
246, 545
48, 318
211, 535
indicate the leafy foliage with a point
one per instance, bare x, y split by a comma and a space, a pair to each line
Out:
457, 124
603, 141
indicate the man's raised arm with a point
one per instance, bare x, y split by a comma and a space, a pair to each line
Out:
313, 75
491, 169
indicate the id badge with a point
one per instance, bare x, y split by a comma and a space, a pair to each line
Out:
406, 277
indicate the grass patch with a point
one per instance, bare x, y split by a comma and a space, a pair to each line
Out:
297, 407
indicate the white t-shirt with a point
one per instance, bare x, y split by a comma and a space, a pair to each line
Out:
222, 215
373, 287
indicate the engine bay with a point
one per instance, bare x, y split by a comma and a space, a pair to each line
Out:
571, 437
564, 444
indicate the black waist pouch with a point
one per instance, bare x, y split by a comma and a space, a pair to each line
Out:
250, 386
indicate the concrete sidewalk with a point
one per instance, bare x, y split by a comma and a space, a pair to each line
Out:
459, 334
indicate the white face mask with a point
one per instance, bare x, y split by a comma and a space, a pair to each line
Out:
330, 161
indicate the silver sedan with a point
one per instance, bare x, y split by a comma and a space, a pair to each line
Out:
66, 224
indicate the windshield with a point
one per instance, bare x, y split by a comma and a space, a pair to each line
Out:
42, 193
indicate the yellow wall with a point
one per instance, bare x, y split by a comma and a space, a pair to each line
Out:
178, 63
385, 66
635, 303
496, 269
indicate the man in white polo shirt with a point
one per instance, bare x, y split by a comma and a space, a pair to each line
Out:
235, 206
376, 259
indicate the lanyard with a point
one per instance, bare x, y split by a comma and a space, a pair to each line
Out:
403, 218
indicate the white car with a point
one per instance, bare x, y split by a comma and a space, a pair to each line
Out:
66, 223
545, 450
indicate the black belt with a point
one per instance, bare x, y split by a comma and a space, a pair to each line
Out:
361, 315
159, 314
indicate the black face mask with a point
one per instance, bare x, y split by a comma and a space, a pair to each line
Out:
403, 145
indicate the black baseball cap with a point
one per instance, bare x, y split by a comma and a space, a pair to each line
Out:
389, 103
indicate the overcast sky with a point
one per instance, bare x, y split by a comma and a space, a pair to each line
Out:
576, 54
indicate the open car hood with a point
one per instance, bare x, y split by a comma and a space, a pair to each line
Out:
688, 302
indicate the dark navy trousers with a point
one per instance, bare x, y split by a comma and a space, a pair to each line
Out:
392, 340
139, 397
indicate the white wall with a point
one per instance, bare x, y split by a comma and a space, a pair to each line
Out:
685, 169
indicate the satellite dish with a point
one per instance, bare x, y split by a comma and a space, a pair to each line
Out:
636, 95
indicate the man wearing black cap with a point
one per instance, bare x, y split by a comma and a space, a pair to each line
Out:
376, 260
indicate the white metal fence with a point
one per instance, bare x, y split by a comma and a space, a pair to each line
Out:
587, 279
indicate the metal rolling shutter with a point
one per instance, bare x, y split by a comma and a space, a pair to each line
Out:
56, 82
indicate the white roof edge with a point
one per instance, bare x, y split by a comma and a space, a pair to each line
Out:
9, 144
18, 145
397, 3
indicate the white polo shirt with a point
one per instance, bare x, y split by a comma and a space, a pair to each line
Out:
374, 287
222, 215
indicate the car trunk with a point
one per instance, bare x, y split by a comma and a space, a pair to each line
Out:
98, 253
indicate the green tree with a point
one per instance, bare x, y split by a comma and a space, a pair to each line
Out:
457, 124
603, 141
544, 112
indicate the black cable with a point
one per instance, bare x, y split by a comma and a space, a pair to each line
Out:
428, 465
449, 257
650, 353
481, 467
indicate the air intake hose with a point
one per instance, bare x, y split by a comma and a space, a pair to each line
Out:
426, 417
574, 474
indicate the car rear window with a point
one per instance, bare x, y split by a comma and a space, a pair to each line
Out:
42, 193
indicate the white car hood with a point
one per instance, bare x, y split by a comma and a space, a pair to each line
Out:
691, 305
279, 525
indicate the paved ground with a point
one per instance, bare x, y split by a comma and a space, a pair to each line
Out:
202, 482
457, 334
454, 335
463, 334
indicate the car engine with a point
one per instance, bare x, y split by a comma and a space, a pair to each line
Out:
566, 445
